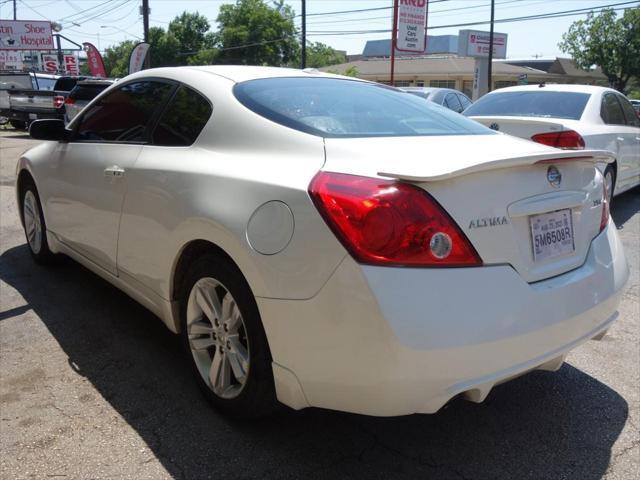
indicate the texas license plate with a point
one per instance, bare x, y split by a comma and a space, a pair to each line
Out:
552, 234
33, 116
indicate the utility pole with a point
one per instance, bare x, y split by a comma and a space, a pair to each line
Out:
145, 19
489, 72
304, 34
394, 35
145, 26
15, 10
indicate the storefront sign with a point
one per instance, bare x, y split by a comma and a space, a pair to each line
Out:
25, 35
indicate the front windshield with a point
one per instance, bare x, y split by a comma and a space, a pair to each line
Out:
336, 108
537, 103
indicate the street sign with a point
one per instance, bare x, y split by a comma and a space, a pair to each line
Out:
412, 25
25, 35
474, 43
523, 79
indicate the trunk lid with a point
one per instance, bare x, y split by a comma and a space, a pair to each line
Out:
522, 127
496, 188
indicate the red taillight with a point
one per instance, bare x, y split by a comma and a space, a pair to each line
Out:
69, 101
566, 139
58, 101
604, 219
382, 222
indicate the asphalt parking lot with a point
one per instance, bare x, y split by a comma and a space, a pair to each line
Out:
92, 386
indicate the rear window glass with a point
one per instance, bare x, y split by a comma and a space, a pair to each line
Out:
569, 105
65, 83
87, 92
336, 108
45, 83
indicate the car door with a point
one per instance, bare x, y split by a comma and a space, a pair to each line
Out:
158, 185
88, 178
621, 138
633, 135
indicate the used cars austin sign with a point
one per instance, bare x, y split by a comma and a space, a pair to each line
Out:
25, 35
412, 25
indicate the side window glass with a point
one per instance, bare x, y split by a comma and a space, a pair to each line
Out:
611, 111
451, 101
465, 101
629, 113
183, 120
124, 114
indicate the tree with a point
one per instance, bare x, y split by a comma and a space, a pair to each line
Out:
609, 42
164, 48
191, 30
116, 58
321, 55
253, 33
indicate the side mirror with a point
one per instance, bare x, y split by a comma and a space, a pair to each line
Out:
49, 130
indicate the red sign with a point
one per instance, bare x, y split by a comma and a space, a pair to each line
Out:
49, 62
71, 64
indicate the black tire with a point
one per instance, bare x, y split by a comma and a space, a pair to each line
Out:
257, 397
39, 250
18, 124
610, 170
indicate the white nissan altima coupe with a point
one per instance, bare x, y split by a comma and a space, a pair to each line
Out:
326, 241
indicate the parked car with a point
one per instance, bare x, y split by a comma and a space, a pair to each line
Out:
327, 241
44, 100
636, 105
569, 117
82, 94
447, 97
10, 80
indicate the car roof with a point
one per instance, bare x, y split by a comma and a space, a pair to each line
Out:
553, 87
239, 73
429, 89
96, 81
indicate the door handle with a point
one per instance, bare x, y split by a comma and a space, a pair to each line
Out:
114, 172
620, 139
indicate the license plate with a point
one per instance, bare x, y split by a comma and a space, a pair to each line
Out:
33, 116
552, 234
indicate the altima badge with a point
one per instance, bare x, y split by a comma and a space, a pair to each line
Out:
554, 176
488, 222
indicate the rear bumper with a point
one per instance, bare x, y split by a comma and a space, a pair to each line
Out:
390, 341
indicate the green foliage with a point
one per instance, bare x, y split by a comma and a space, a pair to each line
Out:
116, 58
321, 55
609, 42
253, 33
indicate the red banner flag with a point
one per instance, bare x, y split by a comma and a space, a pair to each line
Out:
94, 59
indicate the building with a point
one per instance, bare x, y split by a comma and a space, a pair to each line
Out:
442, 67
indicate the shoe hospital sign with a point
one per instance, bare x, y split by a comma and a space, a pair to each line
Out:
25, 35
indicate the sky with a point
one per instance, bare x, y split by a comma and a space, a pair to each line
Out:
106, 22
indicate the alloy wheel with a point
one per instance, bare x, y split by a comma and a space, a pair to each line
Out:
32, 221
218, 338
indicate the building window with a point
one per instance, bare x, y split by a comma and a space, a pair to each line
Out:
467, 88
503, 84
419, 83
442, 83
402, 83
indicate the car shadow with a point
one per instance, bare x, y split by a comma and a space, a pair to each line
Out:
624, 206
543, 425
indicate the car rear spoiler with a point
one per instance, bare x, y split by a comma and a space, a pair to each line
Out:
410, 171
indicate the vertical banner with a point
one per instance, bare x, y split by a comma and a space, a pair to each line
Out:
411, 33
138, 54
94, 60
